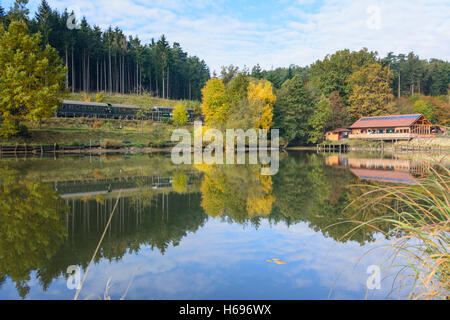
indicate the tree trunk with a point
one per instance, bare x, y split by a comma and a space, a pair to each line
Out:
88, 75
110, 71
97, 73
163, 85
67, 71
73, 74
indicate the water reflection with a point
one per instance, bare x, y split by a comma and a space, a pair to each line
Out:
53, 211
32, 228
381, 169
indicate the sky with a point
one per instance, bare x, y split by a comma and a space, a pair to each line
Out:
275, 33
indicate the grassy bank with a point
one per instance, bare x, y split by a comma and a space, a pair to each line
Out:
86, 131
143, 100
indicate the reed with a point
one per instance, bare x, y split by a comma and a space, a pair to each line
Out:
419, 220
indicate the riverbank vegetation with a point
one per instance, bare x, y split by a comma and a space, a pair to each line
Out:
89, 131
419, 216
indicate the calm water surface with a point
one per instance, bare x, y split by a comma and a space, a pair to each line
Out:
192, 232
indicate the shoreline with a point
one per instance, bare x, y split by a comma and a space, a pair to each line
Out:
149, 150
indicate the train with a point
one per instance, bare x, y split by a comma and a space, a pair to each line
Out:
75, 109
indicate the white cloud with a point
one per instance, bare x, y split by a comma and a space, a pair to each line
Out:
294, 32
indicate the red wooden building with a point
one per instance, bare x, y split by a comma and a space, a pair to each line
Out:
392, 127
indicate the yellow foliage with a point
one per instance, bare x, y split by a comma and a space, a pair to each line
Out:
214, 106
260, 198
179, 115
86, 97
261, 98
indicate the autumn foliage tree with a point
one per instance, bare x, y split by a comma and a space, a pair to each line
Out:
243, 103
261, 99
214, 103
371, 94
31, 78
180, 116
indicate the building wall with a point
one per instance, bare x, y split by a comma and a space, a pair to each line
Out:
332, 136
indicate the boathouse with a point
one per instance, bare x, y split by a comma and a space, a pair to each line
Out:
392, 127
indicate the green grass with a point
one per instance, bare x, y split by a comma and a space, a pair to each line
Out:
83, 131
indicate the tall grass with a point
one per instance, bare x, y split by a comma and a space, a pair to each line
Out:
419, 219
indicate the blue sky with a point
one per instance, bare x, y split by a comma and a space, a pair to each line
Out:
276, 33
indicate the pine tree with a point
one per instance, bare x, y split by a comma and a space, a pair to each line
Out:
44, 21
293, 108
19, 11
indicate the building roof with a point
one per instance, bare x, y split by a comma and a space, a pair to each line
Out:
171, 108
117, 105
403, 120
85, 103
340, 130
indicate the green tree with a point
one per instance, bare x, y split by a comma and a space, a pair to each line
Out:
2, 15
320, 120
423, 108
31, 78
257, 72
179, 115
371, 94
228, 73
292, 109
333, 71
19, 11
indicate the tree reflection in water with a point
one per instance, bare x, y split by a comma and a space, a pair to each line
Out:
157, 211
32, 228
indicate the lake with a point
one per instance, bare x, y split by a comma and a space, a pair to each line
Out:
193, 232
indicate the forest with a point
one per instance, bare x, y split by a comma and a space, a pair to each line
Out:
108, 60
303, 102
335, 91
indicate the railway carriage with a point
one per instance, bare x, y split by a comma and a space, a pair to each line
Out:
75, 109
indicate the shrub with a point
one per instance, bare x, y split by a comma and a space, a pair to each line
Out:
97, 124
179, 115
100, 97
85, 97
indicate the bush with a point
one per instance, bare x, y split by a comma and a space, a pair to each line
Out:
97, 124
111, 144
179, 115
100, 97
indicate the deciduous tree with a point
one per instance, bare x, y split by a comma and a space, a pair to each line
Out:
31, 78
214, 103
371, 94
180, 115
